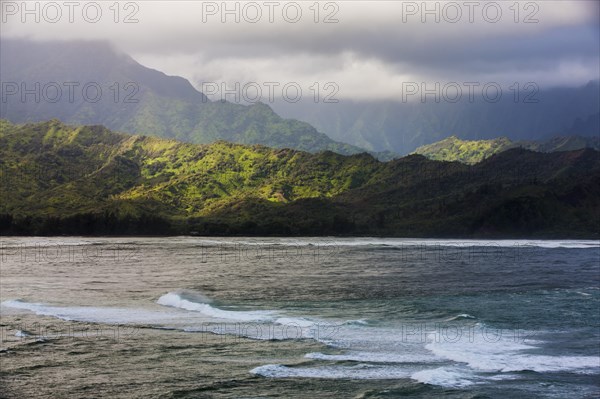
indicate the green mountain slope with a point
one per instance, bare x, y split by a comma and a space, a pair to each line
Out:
469, 152
60, 179
137, 99
474, 151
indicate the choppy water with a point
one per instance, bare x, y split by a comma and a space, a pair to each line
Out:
423, 318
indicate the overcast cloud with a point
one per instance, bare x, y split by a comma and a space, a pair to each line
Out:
370, 52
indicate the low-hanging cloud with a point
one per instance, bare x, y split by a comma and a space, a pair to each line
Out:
369, 49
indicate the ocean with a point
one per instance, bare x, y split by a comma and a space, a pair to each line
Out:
180, 317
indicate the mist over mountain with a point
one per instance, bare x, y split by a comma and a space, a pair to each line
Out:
92, 83
137, 99
403, 126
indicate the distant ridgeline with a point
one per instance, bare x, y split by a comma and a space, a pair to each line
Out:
92, 83
60, 179
474, 151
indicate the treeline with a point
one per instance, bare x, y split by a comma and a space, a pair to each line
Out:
85, 224
90, 224
265, 226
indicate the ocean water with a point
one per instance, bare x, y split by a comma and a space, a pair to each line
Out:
364, 317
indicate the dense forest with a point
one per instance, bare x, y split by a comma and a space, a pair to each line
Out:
61, 179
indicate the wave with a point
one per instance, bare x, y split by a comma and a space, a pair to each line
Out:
403, 242
394, 242
91, 314
494, 353
179, 300
323, 247
358, 372
16, 243
376, 352
461, 316
549, 244
375, 357
183, 300
444, 376
478, 357
192, 312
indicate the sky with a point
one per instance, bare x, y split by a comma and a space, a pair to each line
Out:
358, 50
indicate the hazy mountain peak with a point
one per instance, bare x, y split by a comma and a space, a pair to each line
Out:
141, 100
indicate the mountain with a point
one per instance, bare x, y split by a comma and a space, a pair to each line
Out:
61, 179
170, 107
469, 152
136, 99
568, 143
474, 151
401, 127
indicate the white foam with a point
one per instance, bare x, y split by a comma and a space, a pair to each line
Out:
393, 242
489, 353
289, 327
443, 376
297, 321
582, 244
391, 352
183, 312
460, 317
375, 357
9, 242
176, 300
110, 315
399, 242
43, 242
358, 372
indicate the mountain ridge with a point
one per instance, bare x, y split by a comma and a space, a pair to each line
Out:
403, 126
61, 179
473, 151
137, 99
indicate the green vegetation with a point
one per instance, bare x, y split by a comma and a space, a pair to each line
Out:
60, 179
474, 151
204, 123
469, 152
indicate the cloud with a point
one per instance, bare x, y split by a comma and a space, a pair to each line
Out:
372, 49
